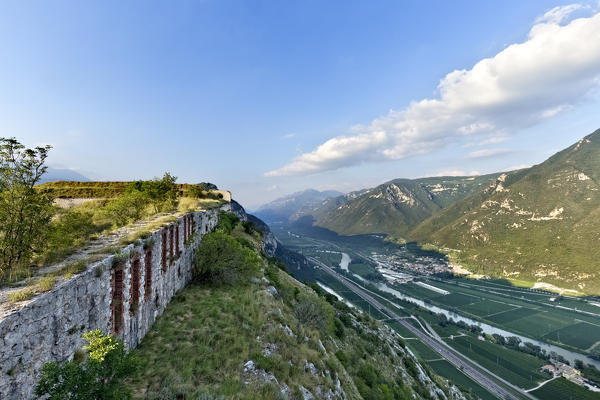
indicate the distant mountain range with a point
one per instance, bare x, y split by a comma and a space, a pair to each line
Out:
284, 208
539, 224
57, 174
395, 207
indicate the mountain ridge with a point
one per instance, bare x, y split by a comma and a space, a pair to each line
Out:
283, 208
396, 206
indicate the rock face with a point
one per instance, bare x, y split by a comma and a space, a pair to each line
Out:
121, 294
270, 243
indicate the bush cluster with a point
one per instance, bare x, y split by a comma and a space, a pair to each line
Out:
221, 259
97, 377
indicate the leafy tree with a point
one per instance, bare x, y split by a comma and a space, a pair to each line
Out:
162, 193
221, 259
24, 213
98, 378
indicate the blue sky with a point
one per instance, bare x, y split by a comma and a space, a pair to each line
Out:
266, 97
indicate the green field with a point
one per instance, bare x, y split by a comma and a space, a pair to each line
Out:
457, 299
486, 307
512, 315
562, 389
422, 350
539, 324
516, 367
581, 335
330, 259
361, 269
417, 291
448, 371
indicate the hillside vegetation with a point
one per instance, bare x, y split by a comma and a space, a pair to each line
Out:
539, 225
265, 335
109, 189
395, 207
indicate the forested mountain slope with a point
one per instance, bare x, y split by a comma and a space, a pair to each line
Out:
539, 224
397, 206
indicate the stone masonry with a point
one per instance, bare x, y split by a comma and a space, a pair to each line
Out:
115, 295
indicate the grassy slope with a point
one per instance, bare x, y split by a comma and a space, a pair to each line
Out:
539, 224
207, 334
397, 206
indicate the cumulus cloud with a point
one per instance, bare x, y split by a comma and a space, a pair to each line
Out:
549, 72
558, 14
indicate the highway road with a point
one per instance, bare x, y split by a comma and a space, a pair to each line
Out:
496, 385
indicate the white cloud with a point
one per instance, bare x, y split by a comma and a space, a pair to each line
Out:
272, 188
289, 136
520, 86
558, 14
486, 153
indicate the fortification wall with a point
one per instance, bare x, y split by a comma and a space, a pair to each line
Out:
122, 295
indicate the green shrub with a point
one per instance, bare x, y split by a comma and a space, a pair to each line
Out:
246, 243
21, 294
314, 312
221, 259
161, 193
126, 208
227, 222
67, 232
97, 378
248, 227
339, 330
342, 357
46, 283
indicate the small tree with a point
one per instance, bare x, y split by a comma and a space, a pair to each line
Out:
221, 259
24, 213
162, 193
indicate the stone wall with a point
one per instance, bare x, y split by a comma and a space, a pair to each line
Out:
121, 294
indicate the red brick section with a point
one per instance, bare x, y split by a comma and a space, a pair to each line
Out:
185, 231
117, 299
163, 260
136, 265
171, 259
148, 275
191, 225
177, 240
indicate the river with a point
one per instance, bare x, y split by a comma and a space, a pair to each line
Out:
333, 292
345, 262
571, 356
